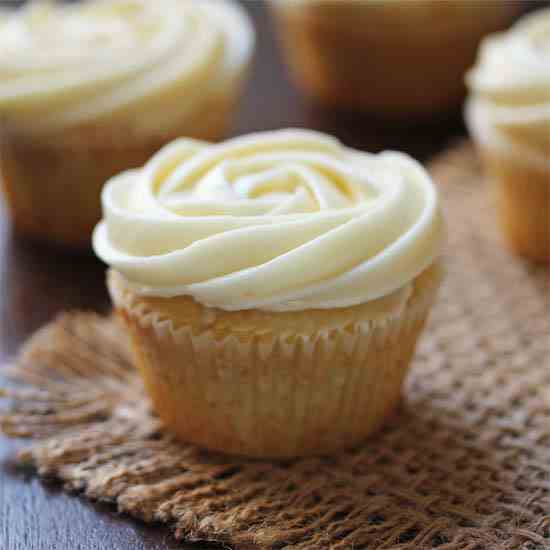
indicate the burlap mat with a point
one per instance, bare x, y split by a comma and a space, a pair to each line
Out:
465, 465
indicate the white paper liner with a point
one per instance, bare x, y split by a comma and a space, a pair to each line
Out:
275, 395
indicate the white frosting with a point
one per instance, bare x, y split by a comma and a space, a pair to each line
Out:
284, 220
509, 107
148, 64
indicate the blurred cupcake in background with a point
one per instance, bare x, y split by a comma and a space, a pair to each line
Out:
90, 89
508, 114
391, 58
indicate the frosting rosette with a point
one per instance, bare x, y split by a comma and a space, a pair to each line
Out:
284, 220
509, 107
149, 65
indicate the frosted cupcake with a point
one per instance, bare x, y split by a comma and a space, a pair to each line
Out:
508, 115
391, 58
90, 89
274, 286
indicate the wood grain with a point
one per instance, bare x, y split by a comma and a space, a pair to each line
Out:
37, 282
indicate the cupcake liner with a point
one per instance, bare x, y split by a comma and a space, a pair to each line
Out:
522, 198
275, 394
52, 183
53, 192
345, 55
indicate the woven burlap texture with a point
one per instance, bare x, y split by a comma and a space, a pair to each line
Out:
464, 465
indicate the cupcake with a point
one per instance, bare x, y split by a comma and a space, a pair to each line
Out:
274, 286
93, 88
508, 114
386, 57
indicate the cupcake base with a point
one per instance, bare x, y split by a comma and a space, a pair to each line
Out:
52, 183
522, 197
383, 59
52, 189
274, 385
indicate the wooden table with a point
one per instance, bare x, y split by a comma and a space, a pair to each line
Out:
36, 283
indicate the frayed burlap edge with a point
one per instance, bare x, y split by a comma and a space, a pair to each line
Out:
465, 464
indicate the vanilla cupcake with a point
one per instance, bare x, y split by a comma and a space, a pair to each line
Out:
93, 88
508, 114
392, 58
274, 286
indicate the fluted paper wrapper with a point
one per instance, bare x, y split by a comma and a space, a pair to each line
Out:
522, 196
340, 52
52, 183
279, 394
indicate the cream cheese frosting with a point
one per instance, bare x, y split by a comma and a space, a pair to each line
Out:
146, 64
284, 220
509, 107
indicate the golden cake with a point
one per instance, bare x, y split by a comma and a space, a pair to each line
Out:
390, 58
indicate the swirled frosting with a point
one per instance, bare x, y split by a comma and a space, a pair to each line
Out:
284, 220
509, 105
148, 64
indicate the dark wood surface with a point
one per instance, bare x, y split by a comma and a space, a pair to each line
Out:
36, 283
